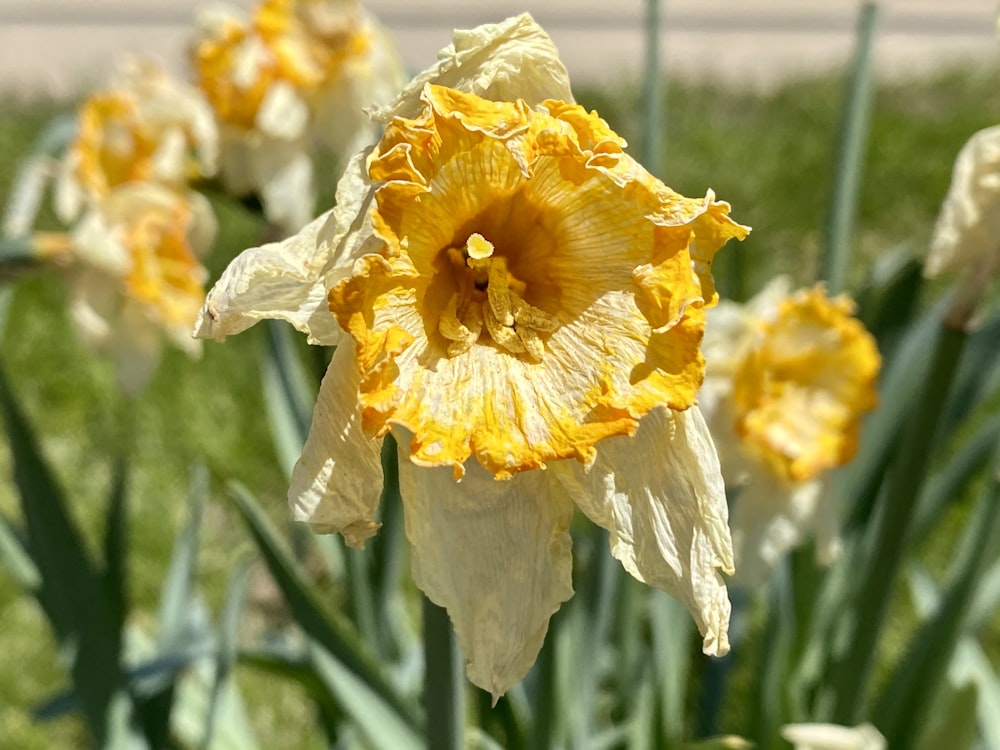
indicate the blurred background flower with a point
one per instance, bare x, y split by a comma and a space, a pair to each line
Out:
294, 77
787, 379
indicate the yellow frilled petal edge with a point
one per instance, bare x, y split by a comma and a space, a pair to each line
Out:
660, 496
496, 555
536, 292
800, 392
337, 482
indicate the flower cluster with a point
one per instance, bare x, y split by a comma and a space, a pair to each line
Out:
137, 227
787, 380
297, 74
520, 304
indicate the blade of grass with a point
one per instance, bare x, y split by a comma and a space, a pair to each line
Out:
287, 394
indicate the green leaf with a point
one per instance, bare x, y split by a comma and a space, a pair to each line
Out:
232, 615
116, 549
905, 702
381, 725
15, 558
177, 592
849, 167
72, 593
287, 394
342, 644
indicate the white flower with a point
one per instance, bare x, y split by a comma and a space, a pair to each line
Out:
137, 276
787, 379
146, 126
521, 305
298, 74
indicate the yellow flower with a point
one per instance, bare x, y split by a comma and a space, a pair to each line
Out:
145, 126
523, 305
788, 378
297, 74
137, 275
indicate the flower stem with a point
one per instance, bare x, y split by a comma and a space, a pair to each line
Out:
444, 685
907, 473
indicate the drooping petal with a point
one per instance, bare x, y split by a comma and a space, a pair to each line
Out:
337, 482
496, 555
771, 516
506, 61
289, 280
660, 496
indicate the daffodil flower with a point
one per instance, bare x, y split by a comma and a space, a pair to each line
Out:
136, 275
146, 126
966, 237
788, 377
520, 304
298, 74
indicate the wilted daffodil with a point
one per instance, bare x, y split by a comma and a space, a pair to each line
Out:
788, 377
146, 126
521, 305
966, 237
297, 75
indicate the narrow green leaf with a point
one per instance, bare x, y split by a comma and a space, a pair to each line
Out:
905, 702
952, 721
178, 586
867, 611
72, 593
381, 725
902, 376
15, 558
888, 303
979, 374
228, 642
287, 394
970, 664
341, 642
444, 681
987, 601
116, 549
947, 483
672, 628
836, 251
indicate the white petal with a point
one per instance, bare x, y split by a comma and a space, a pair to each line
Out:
337, 482
284, 177
660, 496
280, 280
514, 59
969, 223
496, 554
289, 280
282, 113
833, 737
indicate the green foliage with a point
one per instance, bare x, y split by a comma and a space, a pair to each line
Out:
318, 642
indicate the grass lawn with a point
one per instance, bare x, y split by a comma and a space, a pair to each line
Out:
769, 155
